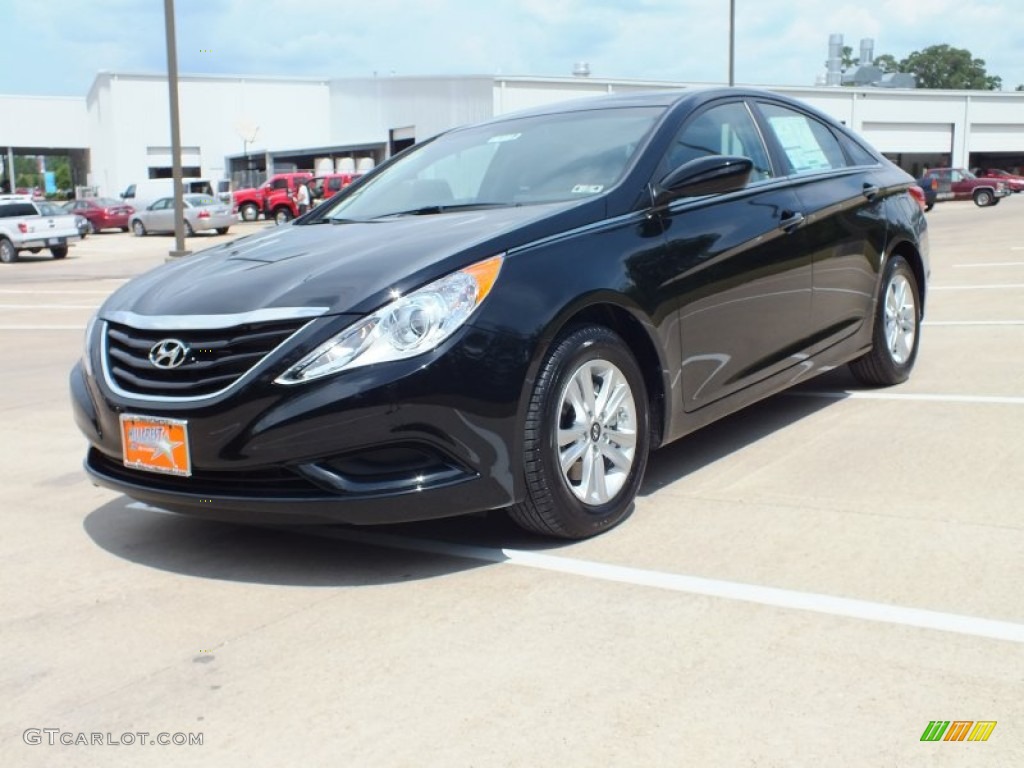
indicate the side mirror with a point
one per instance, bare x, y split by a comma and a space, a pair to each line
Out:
711, 175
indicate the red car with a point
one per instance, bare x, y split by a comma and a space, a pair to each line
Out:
102, 213
327, 186
1013, 181
961, 184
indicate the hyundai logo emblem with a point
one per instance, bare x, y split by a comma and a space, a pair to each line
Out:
168, 353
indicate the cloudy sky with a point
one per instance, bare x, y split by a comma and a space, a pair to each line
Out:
57, 46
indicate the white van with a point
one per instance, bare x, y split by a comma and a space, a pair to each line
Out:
142, 193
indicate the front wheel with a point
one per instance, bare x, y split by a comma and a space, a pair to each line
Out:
983, 198
8, 253
585, 438
138, 228
897, 331
282, 216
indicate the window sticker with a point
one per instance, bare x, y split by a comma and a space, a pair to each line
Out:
587, 189
797, 139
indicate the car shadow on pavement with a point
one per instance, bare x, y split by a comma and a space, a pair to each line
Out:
334, 556
739, 430
255, 555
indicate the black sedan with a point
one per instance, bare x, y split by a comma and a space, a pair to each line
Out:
510, 315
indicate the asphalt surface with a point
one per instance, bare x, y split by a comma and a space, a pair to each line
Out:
808, 583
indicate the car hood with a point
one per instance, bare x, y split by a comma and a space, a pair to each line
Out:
343, 268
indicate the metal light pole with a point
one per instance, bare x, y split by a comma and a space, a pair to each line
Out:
732, 42
172, 87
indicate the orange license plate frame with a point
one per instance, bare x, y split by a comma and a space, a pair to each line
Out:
155, 444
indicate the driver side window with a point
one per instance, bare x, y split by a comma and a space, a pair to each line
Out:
723, 130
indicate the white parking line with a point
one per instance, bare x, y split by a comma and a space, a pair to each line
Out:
48, 306
991, 264
42, 327
729, 590
973, 323
921, 397
21, 291
996, 287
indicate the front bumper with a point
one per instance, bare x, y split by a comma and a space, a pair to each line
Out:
424, 438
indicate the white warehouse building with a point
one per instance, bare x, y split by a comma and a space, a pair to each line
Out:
242, 128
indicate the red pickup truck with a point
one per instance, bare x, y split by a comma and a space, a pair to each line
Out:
961, 184
275, 198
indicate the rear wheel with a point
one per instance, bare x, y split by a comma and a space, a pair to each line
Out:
90, 227
59, 251
189, 232
586, 437
983, 197
138, 228
929, 207
897, 328
8, 253
222, 230
249, 212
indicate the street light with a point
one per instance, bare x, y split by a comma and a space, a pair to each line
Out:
172, 87
732, 42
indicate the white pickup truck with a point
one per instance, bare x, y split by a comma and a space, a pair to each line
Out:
24, 227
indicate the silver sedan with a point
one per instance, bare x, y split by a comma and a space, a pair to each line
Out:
202, 212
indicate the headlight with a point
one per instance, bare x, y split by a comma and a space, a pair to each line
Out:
87, 344
408, 326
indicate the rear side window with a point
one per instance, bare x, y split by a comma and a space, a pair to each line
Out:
809, 145
10, 210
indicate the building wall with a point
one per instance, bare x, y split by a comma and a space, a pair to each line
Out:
130, 122
124, 124
43, 121
366, 110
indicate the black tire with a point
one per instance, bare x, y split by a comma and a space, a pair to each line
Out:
928, 207
983, 197
553, 506
249, 212
189, 232
138, 228
222, 230
124, 229
59, 251
34, 251
90, 228
890, 360
282, 216
8, 253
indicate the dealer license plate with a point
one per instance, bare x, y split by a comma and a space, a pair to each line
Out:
155, 445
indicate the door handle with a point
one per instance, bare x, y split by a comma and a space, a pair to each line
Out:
790, 221
870, 191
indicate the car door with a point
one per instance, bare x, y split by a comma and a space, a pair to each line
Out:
160, 216
840, 187
742, 281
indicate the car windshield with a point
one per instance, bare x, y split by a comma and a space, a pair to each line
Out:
540, 159
197, 200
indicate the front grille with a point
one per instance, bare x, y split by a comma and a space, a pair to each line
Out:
214, 360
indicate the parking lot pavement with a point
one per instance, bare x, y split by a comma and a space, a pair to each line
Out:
808, 583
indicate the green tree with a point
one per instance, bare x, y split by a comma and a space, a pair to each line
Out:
848, 62
887, 63
942, 66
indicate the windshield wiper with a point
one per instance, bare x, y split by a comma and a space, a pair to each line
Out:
429, 210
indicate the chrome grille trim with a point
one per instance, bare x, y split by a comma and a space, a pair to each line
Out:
141, 396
